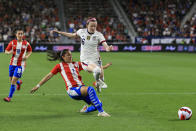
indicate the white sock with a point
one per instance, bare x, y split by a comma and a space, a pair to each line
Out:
96, 73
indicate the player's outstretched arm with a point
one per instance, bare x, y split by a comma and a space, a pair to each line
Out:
71, 35
108, 48
107, 65
44, 80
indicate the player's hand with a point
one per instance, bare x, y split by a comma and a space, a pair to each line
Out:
54, 31
34, 89
110, 48
25, 58
109, 64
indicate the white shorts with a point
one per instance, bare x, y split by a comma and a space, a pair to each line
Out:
86, 63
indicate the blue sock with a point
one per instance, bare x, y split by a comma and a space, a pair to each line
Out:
94, 99
18, 82
90, 109
12, 89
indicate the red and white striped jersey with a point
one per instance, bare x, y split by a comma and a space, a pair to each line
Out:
70, 73
19, 51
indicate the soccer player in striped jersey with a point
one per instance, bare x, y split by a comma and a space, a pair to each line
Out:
89, 54
74, 86
20, 50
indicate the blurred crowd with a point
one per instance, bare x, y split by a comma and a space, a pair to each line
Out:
35, 17
77, 13
189, 28
149, 17
160, 17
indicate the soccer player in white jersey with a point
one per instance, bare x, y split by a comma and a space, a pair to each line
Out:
74, 86
20, 50
89, 54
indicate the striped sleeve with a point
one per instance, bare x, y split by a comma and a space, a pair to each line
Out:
29, 49
9, 47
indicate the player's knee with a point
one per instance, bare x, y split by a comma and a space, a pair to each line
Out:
84, 90
90, 90
97, 70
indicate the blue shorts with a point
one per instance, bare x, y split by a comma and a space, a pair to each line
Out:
75, 93
15, 71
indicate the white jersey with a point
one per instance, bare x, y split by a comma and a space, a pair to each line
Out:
89, 45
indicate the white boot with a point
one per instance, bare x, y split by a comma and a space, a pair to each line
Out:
84, 108
104, 114
101, 84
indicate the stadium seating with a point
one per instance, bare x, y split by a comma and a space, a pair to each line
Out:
36, 17
189, 28
157, 18
149, 17
78, 11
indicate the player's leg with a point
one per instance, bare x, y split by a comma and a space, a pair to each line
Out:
16, 75
96, 70
19, 82
13, 86
75, 93
102, 74
87, 109
90, 94
11, 73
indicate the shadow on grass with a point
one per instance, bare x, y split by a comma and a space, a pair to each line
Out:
181, 120
29, 117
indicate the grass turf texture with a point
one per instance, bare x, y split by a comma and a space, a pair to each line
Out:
144, 94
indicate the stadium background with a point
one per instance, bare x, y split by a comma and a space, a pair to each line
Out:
124, 23
145, 89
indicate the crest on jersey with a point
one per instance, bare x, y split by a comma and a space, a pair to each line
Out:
94, 37
88, 37
23, 46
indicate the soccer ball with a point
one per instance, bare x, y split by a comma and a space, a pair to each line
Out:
184, 113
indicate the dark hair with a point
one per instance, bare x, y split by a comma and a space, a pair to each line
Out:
18, 29
56, 55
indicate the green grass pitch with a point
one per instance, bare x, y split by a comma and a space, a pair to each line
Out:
145, 91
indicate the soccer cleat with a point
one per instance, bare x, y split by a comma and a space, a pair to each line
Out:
104, 114
7, 99
19, 85
84, 108
101, 84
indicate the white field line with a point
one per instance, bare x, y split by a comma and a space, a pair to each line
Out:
127, 94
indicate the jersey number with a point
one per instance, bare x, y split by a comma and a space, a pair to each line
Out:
17, 51
74, 72
19, 71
